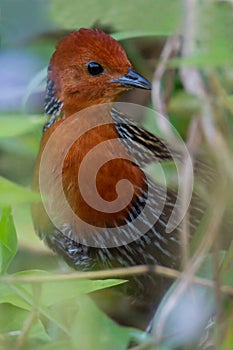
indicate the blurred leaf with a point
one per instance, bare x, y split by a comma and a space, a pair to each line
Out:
12, 193
14, 125
92, 329
213, 38
184, 105
52, 299
230, 99
58, 345
134, 34
52, 292
161, 16
55, 292
8, 239
12, 321
228, 337
23, 296
9, 296
24, 145
227, 267
228, 260
25, 229
215, 31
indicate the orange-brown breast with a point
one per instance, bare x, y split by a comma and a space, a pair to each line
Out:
80, 156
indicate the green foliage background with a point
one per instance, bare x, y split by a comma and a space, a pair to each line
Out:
46, 315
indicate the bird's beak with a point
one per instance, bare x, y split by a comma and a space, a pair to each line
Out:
133, 79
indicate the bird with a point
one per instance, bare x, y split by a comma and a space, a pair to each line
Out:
87, 74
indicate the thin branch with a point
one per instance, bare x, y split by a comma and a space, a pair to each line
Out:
30, 320
117, 273
170, 49
143, 346
217, 291
190, 76
187, 187
195, 263
220, 92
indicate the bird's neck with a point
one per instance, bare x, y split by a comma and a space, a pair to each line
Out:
60, 105
74, 107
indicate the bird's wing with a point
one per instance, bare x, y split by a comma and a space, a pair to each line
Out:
145, 146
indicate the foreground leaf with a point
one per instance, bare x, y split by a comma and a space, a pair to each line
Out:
15, 125
8, 239
162, 17
12, 193
51, 293
92, 329
12, 321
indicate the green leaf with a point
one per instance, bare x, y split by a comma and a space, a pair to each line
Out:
184, 105
12, 193
12, 320
135, 34
55, 292
15, 125
213, 36
227, 267
162, 16
52, 292
92, 329
8, 239
228, 259
34, 252
51, 297
58, 345
10, 296
228, 336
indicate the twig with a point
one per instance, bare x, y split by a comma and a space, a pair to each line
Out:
143, 346
194, 265
220, 92
28, 323
193, 84
117, 273
171, 48
187, 187
101, 274
30, 320
190, 76
217, 291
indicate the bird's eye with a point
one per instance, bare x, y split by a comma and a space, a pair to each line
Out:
94, 68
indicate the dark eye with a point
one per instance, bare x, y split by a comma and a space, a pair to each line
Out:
94, 68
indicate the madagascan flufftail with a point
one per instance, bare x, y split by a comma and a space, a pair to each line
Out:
88, 72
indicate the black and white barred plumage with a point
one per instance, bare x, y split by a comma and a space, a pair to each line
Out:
156, 246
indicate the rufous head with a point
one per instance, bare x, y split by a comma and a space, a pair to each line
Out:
88, 67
